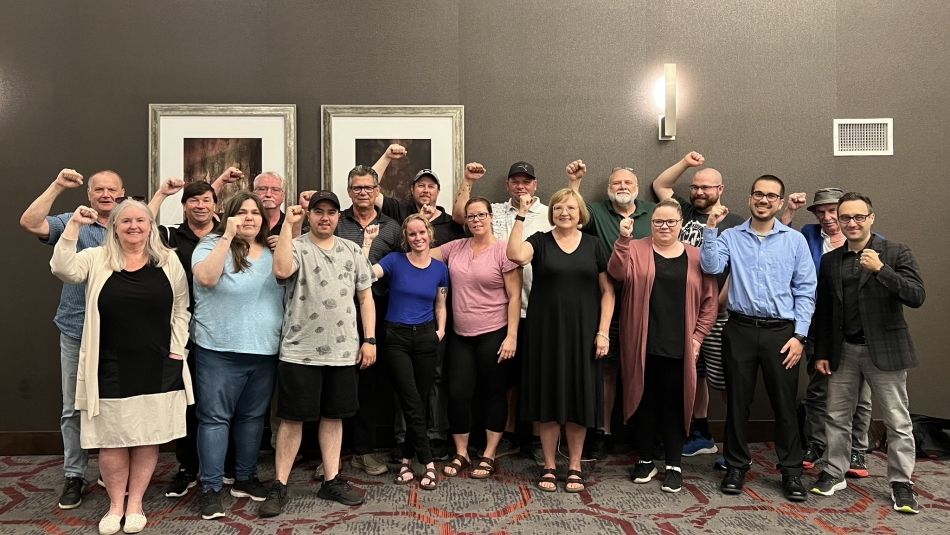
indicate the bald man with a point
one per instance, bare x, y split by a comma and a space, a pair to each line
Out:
705, 191
104, 192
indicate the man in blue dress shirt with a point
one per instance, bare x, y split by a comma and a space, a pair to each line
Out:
771, 301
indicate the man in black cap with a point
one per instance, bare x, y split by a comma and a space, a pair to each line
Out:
823, 237
320, 350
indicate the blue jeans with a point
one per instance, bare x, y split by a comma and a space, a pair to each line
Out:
234, 392
74, 457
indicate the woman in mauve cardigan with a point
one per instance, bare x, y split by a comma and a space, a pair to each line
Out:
652, 353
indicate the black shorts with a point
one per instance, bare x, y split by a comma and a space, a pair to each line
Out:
308, 393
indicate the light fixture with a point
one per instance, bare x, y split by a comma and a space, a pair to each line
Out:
664, 95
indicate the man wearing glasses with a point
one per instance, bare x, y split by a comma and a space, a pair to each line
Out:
605, 217
705, 192
269, 186
860, 334
771, 301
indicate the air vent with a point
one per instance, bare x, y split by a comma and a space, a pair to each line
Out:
864, 137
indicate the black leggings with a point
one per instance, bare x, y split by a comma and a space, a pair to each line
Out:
471, 361
661, 410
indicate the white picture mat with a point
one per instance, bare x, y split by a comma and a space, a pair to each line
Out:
173, 130
346, 130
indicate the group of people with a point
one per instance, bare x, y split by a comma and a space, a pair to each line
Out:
535, 313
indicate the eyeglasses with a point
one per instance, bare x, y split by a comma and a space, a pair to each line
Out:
759, 195
857, 218
695, 188
660, 223
363, 189
480, 216
265, 189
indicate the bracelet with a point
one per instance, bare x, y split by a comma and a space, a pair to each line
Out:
604, 336
519, 217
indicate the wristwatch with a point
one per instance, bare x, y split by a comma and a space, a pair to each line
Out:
371, 341
519, 217
800, 337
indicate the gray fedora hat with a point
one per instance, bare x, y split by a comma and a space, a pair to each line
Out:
825, 196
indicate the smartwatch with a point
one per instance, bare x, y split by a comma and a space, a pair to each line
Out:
371, 341
801, 338
519, 217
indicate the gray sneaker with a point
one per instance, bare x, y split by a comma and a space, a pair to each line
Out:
275, 502
340, 490
211, 505
827, 485
369, 464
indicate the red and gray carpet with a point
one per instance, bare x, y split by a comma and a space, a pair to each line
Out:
30, 486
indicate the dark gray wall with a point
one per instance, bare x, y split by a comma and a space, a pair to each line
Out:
545, 81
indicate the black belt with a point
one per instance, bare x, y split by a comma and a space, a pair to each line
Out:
757, 322
419, 327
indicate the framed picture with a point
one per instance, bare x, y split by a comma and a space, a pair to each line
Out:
432, 136
199, 141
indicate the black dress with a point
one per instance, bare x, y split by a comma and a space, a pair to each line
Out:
561, 379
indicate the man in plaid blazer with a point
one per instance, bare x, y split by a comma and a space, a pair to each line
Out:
860, 334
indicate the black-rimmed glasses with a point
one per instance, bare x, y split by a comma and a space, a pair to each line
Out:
660, 223
480, 216
857, 218
759, 195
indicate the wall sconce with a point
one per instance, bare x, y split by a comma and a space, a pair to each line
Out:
664, 95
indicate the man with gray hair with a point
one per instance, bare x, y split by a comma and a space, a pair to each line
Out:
605, 218
104, 190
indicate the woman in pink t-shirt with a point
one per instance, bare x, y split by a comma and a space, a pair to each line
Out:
486, 306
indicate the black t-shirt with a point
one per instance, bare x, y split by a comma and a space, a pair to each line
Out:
693, 223
445, 228
850, 277
667, 324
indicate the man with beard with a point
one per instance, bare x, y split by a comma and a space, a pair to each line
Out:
771, 301
105, 188
824, 237
705, 192
605, 218
198, 201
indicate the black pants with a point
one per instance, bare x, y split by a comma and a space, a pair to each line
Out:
661, 410
472, 361
371, 381
412, 352
746, 348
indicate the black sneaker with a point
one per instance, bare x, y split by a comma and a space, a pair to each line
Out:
180, 484
595, 448
827, 485
793, 488
211, 505
904, 498
340, 490
275, 502
672, 480
440, 449
733, 481
250, 488
858, 467
644, 472
812, 455
72, 493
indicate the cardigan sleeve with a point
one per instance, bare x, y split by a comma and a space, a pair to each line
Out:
619, 259
68, 265
180, 314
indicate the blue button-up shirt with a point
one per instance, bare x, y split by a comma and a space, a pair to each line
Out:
772, 277
72, 300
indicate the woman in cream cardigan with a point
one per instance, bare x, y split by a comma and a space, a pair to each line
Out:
132, 387
667, 309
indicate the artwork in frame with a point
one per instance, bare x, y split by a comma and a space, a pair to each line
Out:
199, 141
432, 136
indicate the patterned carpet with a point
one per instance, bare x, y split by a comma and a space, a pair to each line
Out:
30, 486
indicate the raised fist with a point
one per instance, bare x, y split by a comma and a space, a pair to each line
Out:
294, 214
68, 178
796, 201
694, 159
576, 170
172, 186
85, 216
716, 215
525, 202
474, 171
304, 198
370, 233
871, 261
428, 211
231, 175
626, 227
395, 151
233, 223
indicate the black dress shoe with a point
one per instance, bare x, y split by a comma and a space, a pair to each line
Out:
732, 483
793, 488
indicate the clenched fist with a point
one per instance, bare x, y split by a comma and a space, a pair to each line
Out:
231, 175
68, 178
85, 216
626, 227
871, 261
294, 214
796, 201
694, 159
395, 151
474, 171
716, 215
576, 170
171, 186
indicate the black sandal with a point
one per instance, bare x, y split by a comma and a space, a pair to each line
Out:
432, 477
548, 475
404, 468
458, 463
485, 464
575, 477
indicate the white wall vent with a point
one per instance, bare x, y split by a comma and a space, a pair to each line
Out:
864, 137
